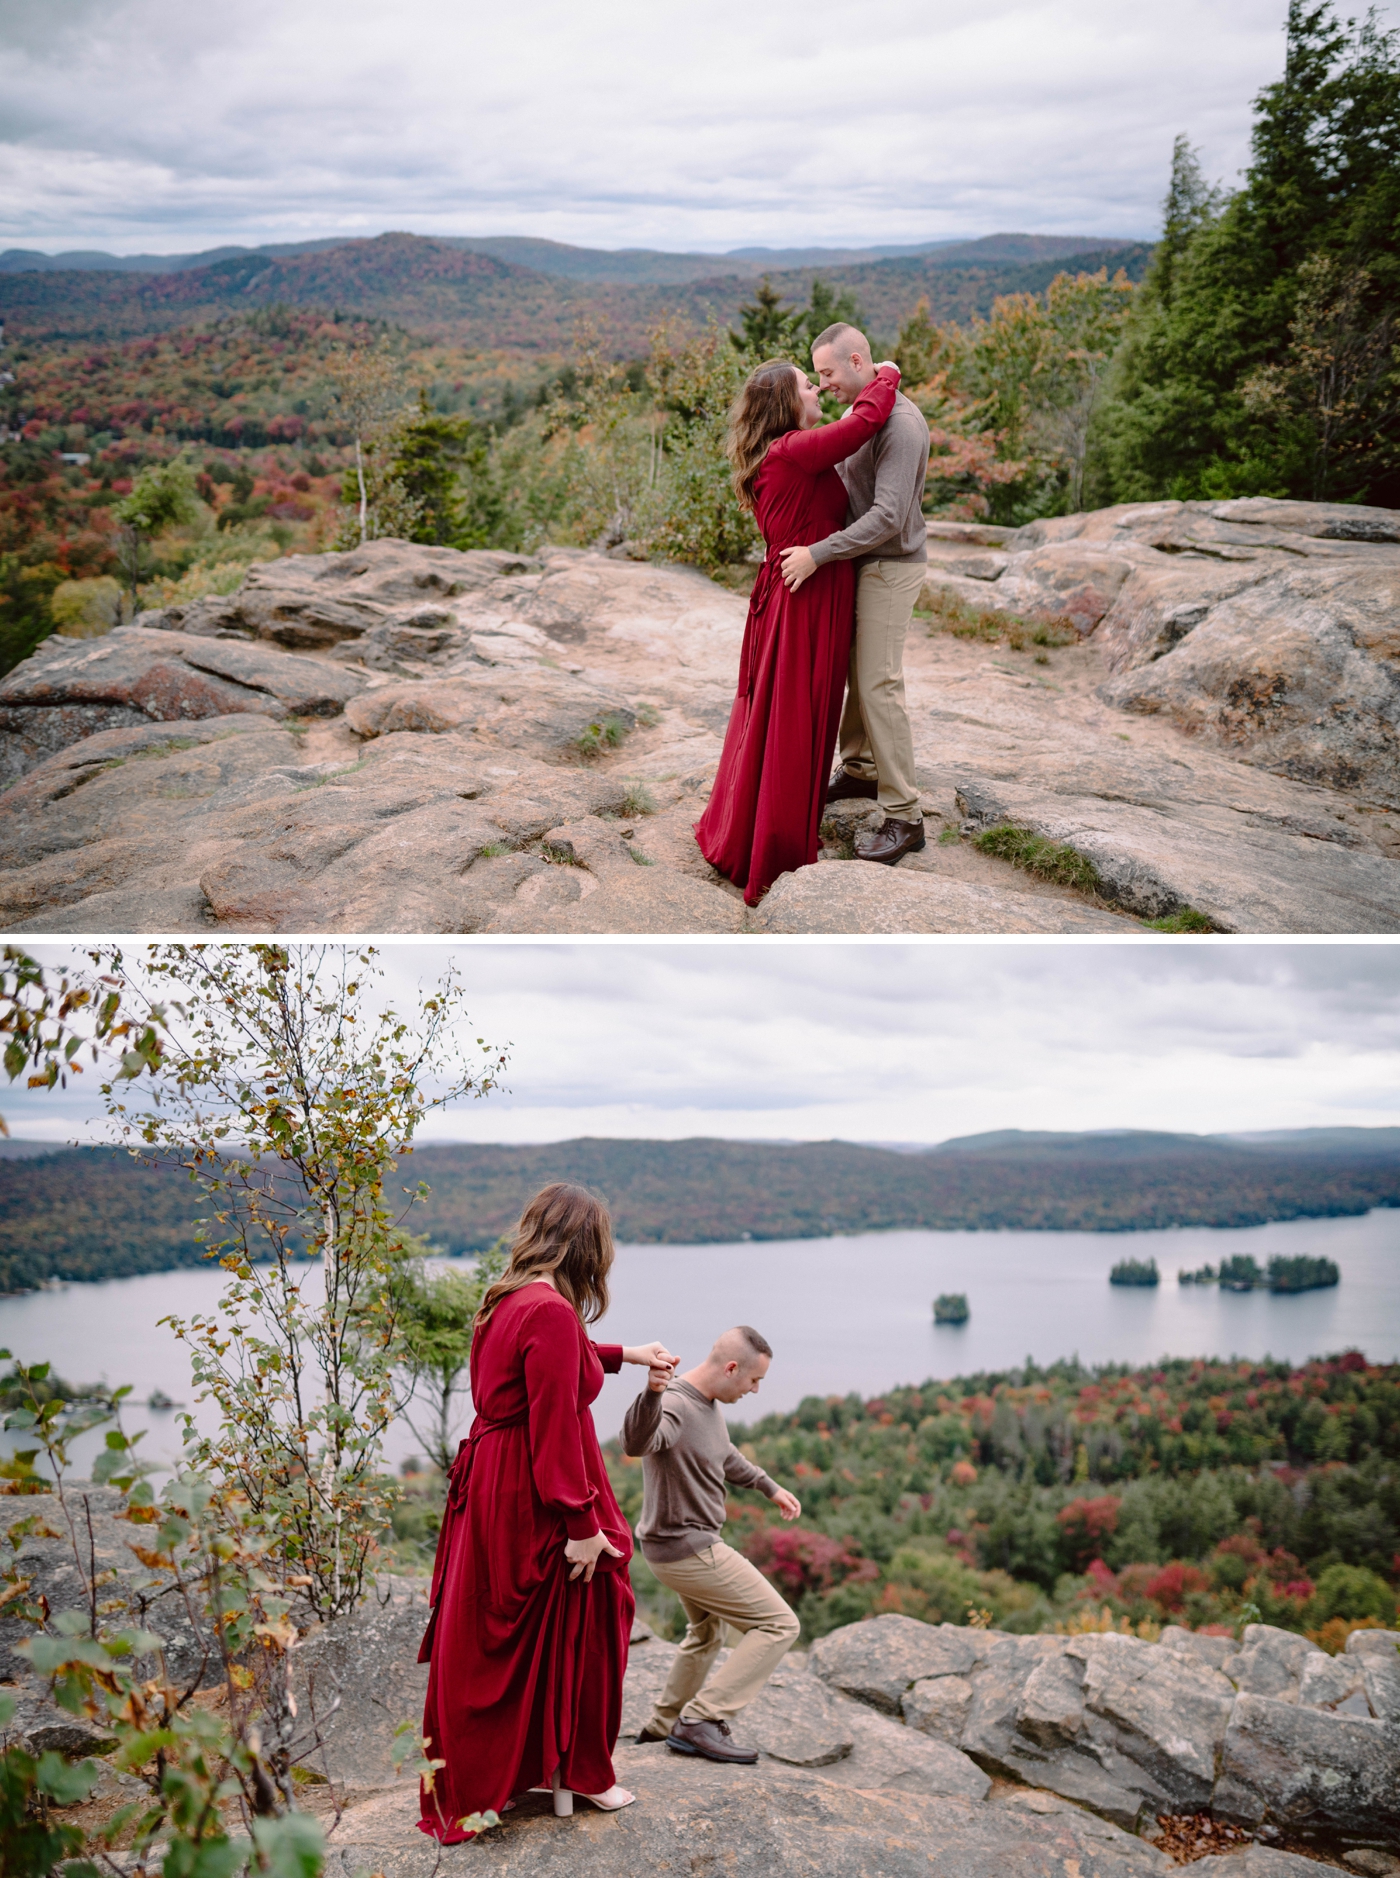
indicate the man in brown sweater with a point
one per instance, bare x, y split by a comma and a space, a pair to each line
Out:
885, 535
678, 1429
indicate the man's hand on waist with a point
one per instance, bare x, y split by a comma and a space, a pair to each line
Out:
798, 566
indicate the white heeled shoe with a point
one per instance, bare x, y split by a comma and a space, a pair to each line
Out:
612, 1801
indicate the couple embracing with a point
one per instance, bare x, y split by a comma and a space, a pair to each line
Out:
531, 1601
840, 509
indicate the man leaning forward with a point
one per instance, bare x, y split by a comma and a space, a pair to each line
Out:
886, 536
678, 1429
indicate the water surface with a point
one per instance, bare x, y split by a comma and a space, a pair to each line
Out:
842, 1314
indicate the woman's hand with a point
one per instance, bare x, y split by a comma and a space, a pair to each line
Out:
889, 364
583, 1555
650, 1356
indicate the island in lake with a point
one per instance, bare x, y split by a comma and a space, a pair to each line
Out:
1135, 1272
1242, 1273
950, 1307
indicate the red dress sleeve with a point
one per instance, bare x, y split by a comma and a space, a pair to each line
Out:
610, 1356
830, 444
549, 1344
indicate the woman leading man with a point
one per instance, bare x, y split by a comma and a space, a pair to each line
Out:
766, 804
532, 1607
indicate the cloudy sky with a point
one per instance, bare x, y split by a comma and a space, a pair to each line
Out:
153, 124
900, 1042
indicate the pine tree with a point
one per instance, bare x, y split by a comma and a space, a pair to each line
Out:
1223, 320
768, 329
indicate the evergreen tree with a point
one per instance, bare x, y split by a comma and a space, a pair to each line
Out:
768, 329
1244, 372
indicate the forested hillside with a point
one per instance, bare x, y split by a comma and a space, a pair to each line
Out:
1205, 1493
89, 1213
542, 394
461, 296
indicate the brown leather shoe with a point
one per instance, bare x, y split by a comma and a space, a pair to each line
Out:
890, 841
842, 788
710, 1739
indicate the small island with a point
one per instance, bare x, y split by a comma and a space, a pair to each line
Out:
1242, 1273
1135, 1272
950, 1307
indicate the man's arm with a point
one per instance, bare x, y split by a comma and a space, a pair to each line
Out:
900, 468
650, 1425
743, 1473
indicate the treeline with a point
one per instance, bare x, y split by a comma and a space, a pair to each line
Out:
92, 1213
1197, 1492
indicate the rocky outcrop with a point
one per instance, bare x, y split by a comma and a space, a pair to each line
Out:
1268, 628
410, 739
694, 1817
1089, 1737
1272, 1734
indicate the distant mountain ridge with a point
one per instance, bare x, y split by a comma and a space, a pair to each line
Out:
466, 294
89, 1213
564, 261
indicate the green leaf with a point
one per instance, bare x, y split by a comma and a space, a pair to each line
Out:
210, 1858
64, 1784
291, 1847
50, 1654
7, 1709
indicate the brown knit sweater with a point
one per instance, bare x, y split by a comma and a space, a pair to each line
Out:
687, 1457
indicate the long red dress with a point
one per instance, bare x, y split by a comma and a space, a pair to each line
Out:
770, 789
527, 1667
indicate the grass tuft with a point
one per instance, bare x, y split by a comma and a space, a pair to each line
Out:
947, 836
1185, 919
949, 614
1048, 860
637, 799
492, 850
642, 860
604, 733
648, 717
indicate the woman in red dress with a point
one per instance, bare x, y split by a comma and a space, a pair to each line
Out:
532, 1607
766, 804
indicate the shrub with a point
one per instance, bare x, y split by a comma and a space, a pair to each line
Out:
1085, 1527
1350, 1592
86, 609
801, 1562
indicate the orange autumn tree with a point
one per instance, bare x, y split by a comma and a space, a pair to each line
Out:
1011, 400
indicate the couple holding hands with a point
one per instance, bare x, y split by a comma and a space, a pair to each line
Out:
840, 509
531, 1602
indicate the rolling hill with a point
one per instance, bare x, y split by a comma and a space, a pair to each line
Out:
469, 296
90, 1213
563, 261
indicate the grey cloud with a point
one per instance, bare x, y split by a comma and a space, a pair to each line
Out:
634, 125
875, 1041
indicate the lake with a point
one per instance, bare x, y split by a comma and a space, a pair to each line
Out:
842, 1314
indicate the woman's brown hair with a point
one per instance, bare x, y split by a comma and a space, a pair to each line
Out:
564, 1234
767, 408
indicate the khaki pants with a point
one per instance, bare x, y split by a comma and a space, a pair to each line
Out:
717, 1587
876, 741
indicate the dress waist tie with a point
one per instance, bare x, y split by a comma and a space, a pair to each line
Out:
458, 1480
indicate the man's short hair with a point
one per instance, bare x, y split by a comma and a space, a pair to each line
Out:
848, 338
759, 1345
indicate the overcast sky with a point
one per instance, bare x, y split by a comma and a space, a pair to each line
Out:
154, 124
900, 1042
